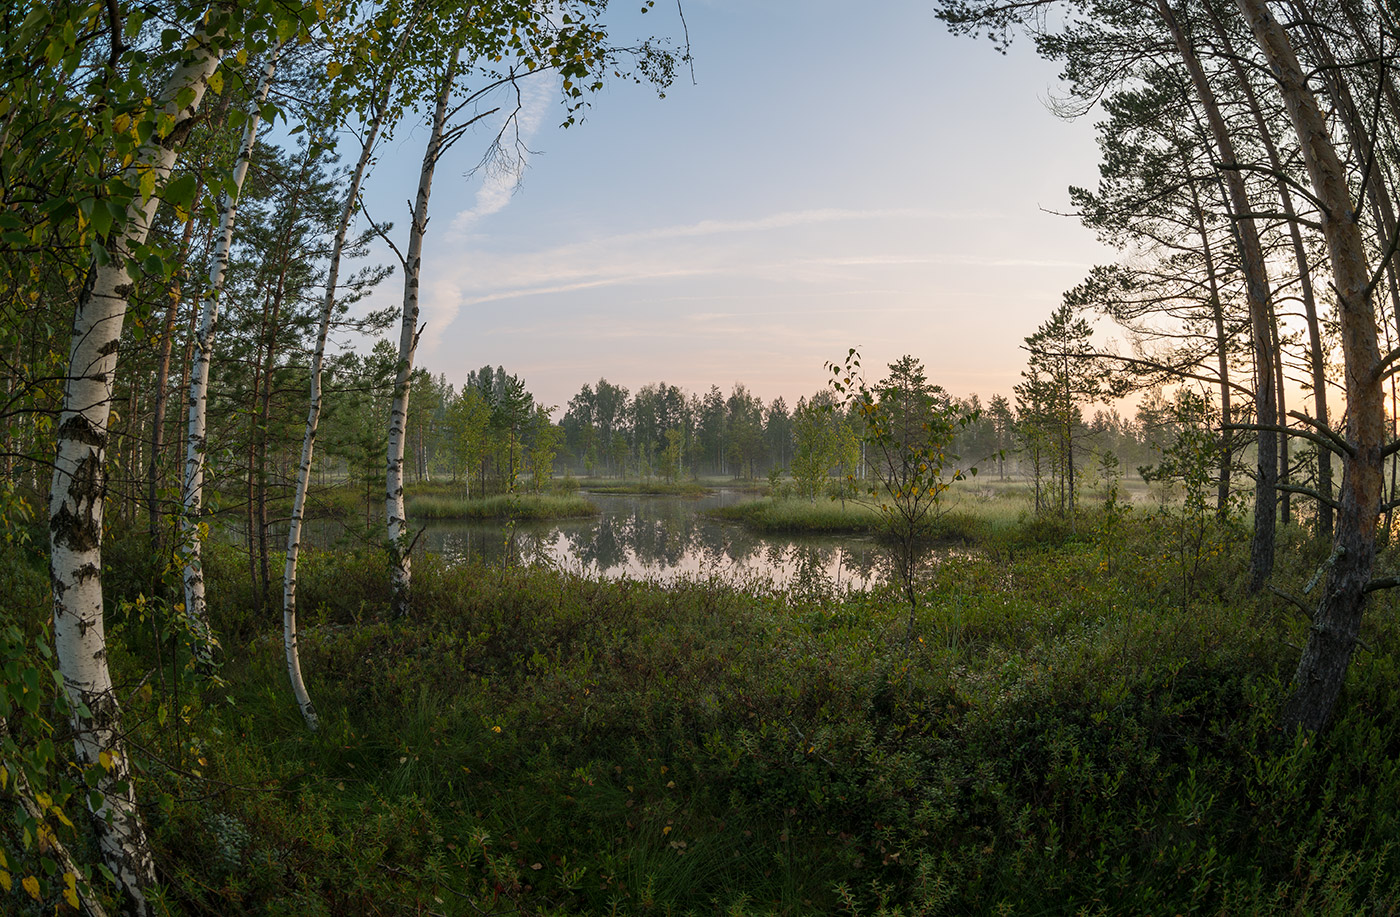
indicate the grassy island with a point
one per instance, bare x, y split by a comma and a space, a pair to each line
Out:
792, 516
646, 488
533, 507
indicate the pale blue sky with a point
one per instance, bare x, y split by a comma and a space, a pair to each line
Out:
836, 178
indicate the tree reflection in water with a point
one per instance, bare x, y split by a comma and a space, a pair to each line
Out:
664, 538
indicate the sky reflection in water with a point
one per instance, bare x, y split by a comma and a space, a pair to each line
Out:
664, 539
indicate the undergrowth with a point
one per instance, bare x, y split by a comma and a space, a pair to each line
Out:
1076, 729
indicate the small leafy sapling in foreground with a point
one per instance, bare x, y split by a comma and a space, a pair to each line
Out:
1188, 463
908, 426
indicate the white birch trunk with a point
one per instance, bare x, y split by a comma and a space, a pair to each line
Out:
195, 607
313, 413
76, 496
397, 534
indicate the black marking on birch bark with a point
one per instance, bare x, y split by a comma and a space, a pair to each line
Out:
75, 531
78, 427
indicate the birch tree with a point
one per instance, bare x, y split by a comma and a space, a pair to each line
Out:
399, 545
198, 399
567, 40
382, 109
79, 478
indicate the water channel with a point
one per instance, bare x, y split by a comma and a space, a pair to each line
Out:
663, 538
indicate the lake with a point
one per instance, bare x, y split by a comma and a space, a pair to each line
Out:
663, 538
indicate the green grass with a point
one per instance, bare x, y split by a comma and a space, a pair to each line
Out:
1079, 728
501, 506
652, 487
965, 516
801, 517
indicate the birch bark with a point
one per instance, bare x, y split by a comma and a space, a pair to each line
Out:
397, 524
79, 486
313, 413
195, 607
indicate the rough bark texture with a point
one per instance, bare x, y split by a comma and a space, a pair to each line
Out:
195, 446
1337, 621
1222, 358
76, 497
1257, 294
167, 346
395, 516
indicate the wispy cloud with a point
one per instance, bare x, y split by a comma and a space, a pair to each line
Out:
502, 173
947, 260
765, 255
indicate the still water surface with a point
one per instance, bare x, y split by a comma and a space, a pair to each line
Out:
663, 538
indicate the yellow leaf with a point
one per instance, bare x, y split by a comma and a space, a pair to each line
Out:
216, 82
5, 882
70, 892
105, 759
333, 69
31, 885
4, 777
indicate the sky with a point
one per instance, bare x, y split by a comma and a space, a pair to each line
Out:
828, 180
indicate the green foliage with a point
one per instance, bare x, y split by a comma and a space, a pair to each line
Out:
1059, 740
1196, 532
41, 796
909, 426
1062, 737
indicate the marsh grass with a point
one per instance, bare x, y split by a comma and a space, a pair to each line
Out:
788, 516
502, 506
646, 488
1064, 736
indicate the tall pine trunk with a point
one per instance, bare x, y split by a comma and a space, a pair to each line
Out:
167, 346
1257, 294
1336, 623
